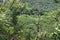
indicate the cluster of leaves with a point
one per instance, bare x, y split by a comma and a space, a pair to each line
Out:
10, 27
20, 22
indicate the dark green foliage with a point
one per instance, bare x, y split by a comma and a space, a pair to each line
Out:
20, 22
56, 1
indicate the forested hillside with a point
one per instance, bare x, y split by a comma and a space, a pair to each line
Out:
43, 5
29, 20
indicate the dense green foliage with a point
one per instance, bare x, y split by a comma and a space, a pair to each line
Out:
44, 5
18, 21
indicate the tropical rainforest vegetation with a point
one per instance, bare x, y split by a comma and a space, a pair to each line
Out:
21, 20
